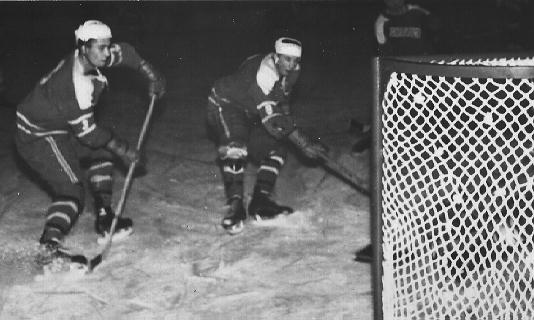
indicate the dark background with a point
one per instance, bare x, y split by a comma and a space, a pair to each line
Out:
194, 43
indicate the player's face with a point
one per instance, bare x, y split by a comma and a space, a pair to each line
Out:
97, 52
286, 64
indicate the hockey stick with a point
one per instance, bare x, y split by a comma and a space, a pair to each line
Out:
92, 263
301, 141
344, 173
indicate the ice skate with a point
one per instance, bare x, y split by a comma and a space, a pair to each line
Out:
49, 253
58, 262
123, 229
233, 221
261, 208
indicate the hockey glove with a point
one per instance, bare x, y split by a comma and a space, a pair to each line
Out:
156, 81
312, 149
279, 125
284, 107
122, 150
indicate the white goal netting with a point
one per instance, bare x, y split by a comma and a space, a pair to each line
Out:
457, 196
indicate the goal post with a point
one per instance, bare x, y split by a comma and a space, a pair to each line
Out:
452, 200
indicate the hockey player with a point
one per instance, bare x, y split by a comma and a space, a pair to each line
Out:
57, 128
249, 113
404, 29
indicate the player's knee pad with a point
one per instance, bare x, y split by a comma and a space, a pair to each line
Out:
233, 166
233, 150
233, 158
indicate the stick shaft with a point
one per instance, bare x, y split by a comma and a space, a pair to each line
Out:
301, 141
129, 175
345, 173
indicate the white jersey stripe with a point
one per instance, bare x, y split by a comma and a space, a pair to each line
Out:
100, 165
224, 124
210, 98
23, 118
218, 97
268, 117
62, 162
23, 129
81, 118
40, 134
89, 130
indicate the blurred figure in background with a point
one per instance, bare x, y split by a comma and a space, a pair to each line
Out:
405, 29
400, 30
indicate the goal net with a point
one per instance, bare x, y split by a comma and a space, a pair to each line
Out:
455, 188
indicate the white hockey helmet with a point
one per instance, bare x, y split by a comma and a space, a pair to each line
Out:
288, 47
92, 29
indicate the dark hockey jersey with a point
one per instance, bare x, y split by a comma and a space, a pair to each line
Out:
404, 34
63, 101
256, 85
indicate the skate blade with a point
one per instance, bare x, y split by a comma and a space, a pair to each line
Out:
235, 229
117, 236
280, 220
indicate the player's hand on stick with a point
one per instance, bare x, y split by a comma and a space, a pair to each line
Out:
122, 150
279, 125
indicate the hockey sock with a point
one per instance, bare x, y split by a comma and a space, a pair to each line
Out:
268, 173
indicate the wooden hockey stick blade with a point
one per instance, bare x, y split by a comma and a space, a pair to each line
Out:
94, 262
81, 259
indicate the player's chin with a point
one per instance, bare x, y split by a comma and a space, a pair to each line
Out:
99, 63
284, 72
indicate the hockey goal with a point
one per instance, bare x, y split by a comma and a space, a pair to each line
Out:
452, 203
